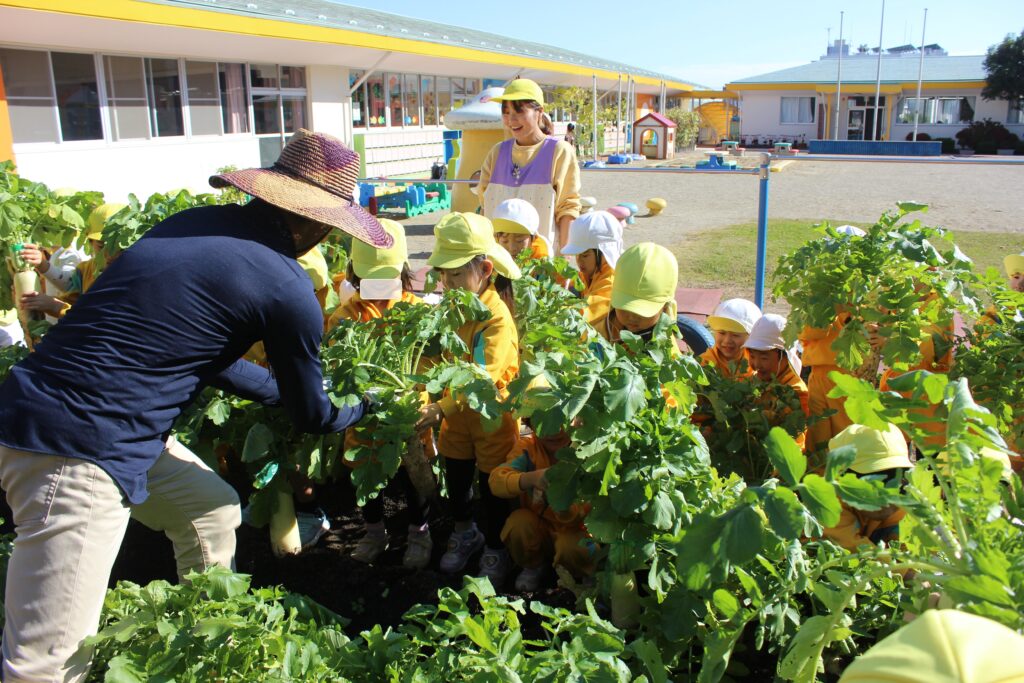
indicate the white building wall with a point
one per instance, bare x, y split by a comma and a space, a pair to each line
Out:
329, 102
141, 167
761, 114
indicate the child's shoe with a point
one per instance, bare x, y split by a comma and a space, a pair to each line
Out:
530, 580
461, 546
418, 548
372, 545
495, 565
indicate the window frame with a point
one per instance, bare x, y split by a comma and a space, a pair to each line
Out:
814, 110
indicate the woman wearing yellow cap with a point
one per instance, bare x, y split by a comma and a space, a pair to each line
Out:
532, 165
731, 324
880, 453
381, 278
468, 258
646, 276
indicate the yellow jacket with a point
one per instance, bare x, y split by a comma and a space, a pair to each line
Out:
527, 456
493, 345
855, 529
597, 292
565, 174
84, 278
357, 308
817, 343
726, 368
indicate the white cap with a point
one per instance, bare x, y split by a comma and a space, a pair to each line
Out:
850, 230
517, 216
732, 313
596, 230
767, 335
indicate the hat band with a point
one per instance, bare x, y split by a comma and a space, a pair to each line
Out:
289, 172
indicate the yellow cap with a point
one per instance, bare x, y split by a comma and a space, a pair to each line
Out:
876, 450
99, 217
943, 646
315, 265
373, 263
521, 89
1014, 264
459, 237
646, 276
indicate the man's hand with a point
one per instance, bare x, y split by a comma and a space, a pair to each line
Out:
35, 301
430, 416
34, 256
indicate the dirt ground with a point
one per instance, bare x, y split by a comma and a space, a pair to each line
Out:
961, 197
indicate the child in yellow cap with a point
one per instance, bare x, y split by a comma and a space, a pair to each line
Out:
536, 535
646, 276
532, 165
85, 273
731, 324
1014, 264
879, 453
516, 223
772, 362
943, 646
381, 278
595, 239
468, 258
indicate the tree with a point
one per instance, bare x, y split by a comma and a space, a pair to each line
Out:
579, 102
687, 126
1004, 65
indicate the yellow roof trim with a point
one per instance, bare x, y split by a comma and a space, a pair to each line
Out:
860, 87
190, 18
713, 94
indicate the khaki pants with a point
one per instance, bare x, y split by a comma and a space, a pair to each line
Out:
70, 518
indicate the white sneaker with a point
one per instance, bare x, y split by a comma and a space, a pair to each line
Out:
312, 527
371, 546
529, 580
461, 546
495, 565
418, 549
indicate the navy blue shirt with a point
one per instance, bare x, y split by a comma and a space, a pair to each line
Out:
171, 315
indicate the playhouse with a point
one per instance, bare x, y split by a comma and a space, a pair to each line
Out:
654, 136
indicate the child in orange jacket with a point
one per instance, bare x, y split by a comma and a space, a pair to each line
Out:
771, 361
516, 223
381, 278
469, 258
595, 239
731, 324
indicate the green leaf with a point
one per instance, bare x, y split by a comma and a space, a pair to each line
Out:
785, 513
819, 496
224, 584
121, 669
661, 512
785, 456
970, 589
865, 494
647, 652
725, 603
257, 442
838, 461
863, 405
743, 535
625, 396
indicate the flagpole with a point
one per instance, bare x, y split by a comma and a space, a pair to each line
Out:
878, 74
839, 77
920, 75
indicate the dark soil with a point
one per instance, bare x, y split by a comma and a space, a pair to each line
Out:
366, 594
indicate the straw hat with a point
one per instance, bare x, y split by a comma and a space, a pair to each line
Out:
315, 177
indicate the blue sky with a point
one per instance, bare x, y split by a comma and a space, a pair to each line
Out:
714, 42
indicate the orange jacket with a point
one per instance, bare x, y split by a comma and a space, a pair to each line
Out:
527, 456
726, 368
855, 529
597, 292
361, 310
539, 248
493, 345
817, 342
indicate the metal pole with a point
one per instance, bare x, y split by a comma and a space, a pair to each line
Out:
878, 74
594, 134
618, 117
764, 172
920, 75
839, 77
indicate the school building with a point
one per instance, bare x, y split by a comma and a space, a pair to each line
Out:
152, 95
799, 104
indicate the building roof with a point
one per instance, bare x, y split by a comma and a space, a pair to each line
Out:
862, 69
663, 120
326, 14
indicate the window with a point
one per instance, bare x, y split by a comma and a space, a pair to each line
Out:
411, 94
278, 98
203, 97
429, 101
378, 103
164, 85
52, 97
234, 98
358, 99
1016, 114
395, 99
126, 97
797, 110
940, 110
444, 97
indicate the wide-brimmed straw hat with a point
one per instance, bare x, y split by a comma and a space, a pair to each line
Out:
315, 177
